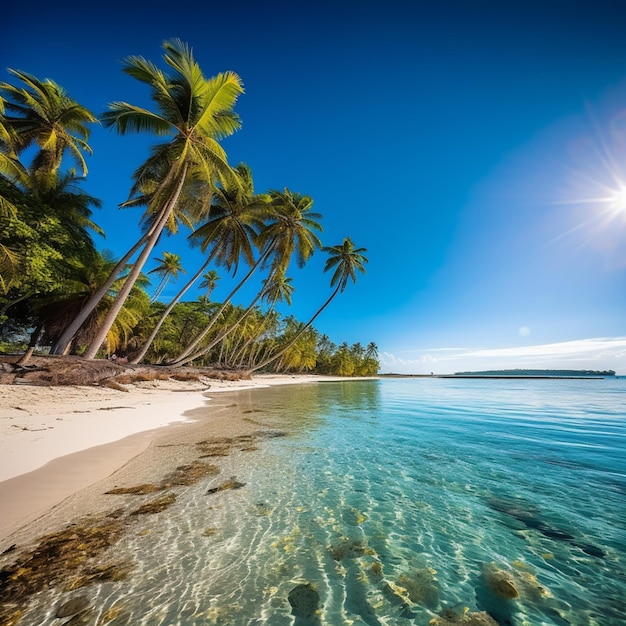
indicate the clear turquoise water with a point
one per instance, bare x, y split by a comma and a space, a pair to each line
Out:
397, 500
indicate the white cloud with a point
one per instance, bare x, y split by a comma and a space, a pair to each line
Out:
595, 353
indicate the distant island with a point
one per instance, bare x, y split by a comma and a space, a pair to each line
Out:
516, 373
522, 373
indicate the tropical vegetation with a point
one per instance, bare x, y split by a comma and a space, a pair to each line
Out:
61, 293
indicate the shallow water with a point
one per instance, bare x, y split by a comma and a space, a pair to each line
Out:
396, 500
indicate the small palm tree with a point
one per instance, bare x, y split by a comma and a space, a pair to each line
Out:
170, 266
346, 260
209, 282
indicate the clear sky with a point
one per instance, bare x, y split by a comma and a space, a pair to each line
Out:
476, 149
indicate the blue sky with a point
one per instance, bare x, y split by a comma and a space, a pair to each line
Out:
475, 149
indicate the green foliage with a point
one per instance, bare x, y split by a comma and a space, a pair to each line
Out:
53, 278
39, 244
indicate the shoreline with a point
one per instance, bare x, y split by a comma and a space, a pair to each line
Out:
59, 441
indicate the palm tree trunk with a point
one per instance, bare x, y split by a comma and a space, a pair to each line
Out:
165, 313
34, 338
129, 283
194, 344
297, 336
62, 343
160, 288
221, 335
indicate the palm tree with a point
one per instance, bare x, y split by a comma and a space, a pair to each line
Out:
87, 276
346, 260
42, 113
195, 112
231, 232
209, 282
170, 266
234, 218
277, 287
290, 231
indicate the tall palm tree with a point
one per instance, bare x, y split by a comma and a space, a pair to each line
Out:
346, 260
41, 113
170, 266
195, 112
87, 276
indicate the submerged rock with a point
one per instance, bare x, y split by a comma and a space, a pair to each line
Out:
304, 600
421, 586
233, 483
190, 474
500, 582
73, 606
452, 617
156, 506
139, 490
349, 549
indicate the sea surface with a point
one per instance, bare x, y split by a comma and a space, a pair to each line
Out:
399, 502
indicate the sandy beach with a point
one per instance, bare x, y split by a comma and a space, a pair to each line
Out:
57, 441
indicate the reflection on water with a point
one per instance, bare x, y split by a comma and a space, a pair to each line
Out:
394, 502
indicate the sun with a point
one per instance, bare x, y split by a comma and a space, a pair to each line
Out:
617, 200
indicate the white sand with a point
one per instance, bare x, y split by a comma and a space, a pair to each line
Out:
55, 441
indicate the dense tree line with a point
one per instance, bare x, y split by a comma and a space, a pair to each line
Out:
59, 292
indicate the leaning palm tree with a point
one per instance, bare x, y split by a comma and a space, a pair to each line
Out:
290, 232
170, 266
235, 216
41, 113
346, 260
195, 112
277, 287
230, 236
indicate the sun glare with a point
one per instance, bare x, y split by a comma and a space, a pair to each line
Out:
618, 200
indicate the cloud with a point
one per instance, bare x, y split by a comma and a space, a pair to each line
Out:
595, 353
611, 346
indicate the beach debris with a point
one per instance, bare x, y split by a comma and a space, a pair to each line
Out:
139, 490
156, 506
78, 604
421, 586
233, 483
304, 600
454, 617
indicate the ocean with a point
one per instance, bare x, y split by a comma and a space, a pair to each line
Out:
397, 502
